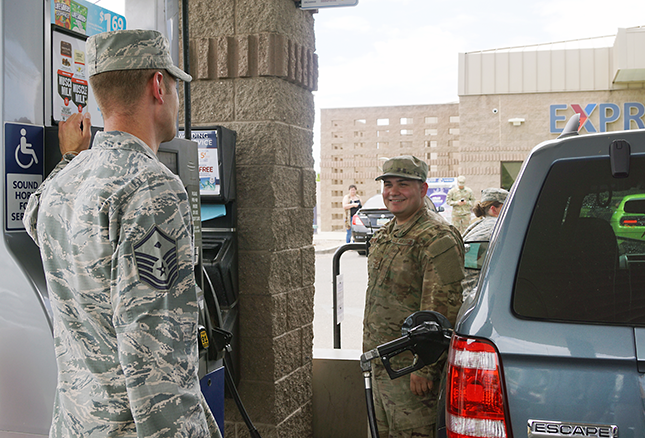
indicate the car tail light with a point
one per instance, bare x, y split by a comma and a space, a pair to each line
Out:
357, 220
626, 221
475, 398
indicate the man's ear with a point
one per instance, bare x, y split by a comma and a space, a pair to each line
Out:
159, 92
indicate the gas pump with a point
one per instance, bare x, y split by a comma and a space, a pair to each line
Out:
43, 80
219, 230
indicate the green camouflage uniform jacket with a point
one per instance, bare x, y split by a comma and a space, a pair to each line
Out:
416, 266
114, 230
455, 195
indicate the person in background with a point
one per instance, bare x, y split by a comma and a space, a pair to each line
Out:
488, 209
461, 199
351, 204
115, 234
415, 263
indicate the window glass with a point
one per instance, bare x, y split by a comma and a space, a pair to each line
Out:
508, 173
583, 259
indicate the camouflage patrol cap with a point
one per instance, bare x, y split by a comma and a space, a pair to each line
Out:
405, 166
494, 194
131, 50
461, 180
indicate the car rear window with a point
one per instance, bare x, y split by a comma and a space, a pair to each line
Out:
583, 259
636, 206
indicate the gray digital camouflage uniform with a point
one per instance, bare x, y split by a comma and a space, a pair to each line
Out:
460, 213
114, 230
415, 266
480, 231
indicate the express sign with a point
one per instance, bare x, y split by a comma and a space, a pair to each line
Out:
607, 113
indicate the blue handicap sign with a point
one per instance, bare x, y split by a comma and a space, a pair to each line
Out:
24, 148
24, 168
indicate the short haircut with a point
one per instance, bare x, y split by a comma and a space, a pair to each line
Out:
352, 186
123, 88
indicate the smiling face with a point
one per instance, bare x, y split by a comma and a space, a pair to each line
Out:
403, 196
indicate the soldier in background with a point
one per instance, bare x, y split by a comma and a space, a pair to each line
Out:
461, 199
415, 263
114, 229
488, 209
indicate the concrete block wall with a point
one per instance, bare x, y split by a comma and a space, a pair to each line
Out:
254, 71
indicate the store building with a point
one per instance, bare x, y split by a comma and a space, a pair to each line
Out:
510, 100
356, 141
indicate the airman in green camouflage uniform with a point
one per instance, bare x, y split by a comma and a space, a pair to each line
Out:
114, 229
461, 199
415, 263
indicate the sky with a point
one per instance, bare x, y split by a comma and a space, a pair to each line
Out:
405, 52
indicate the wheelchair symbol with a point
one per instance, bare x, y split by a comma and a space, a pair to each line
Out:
24, 148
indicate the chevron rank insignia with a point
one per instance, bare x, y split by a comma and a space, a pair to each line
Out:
156, 258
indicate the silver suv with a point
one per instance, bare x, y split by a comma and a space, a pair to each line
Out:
552, 342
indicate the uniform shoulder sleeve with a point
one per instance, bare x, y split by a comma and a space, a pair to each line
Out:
30, 219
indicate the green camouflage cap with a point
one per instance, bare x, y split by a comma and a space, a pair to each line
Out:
131, 50
405, 166
493, 194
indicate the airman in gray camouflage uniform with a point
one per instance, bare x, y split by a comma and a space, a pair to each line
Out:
114, 229
461, 199
488, 209
415, 263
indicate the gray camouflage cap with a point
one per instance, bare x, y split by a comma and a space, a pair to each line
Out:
405, 166
494, 194
131, 50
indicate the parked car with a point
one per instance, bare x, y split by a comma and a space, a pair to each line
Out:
628, 221
373, 215
551, 342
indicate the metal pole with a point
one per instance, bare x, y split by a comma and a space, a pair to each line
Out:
186, 51
335, 272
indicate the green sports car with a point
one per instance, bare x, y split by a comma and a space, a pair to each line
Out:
628, 221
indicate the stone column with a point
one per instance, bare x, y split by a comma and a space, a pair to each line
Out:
254, 71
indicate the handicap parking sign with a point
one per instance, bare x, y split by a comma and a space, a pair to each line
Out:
24, 168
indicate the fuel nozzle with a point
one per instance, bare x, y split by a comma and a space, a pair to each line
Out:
426, 334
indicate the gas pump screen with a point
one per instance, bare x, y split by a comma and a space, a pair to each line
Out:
169, 159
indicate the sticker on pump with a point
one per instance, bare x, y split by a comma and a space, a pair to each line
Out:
24, 167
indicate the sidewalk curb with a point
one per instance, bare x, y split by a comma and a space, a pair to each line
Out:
328, 250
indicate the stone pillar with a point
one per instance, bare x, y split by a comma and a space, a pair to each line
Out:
254, 71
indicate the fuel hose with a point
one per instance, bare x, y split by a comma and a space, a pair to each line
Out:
366, 367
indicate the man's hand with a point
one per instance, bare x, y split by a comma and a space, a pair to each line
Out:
72, 137
419, 385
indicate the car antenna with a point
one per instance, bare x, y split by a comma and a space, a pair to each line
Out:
571, 127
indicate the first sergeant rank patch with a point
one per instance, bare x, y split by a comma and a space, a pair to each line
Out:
156, 259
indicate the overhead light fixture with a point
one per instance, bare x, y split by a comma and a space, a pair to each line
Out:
516, 121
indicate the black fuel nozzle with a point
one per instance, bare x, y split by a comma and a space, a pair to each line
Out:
426, 334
